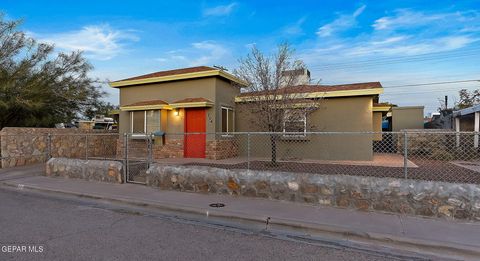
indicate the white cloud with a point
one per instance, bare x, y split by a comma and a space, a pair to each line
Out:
221, 10
407, 18
342, 23
295, 28
99, 42
402, 47
250, 45
211, 52
199, 53
404, 33
390, 40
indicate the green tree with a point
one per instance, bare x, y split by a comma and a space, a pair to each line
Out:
39, 87
100, 108
467, 99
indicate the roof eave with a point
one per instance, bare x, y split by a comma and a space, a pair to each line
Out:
313, 95
183, 76
146, 107
191, 104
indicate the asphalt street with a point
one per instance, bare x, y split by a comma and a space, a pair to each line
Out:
39, 226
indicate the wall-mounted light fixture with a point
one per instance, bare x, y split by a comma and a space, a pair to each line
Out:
176, 112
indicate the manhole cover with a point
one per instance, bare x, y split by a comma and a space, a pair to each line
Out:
217, 205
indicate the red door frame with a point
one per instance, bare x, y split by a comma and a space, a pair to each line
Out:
195, 144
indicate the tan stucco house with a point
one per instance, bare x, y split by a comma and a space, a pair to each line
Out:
205, 99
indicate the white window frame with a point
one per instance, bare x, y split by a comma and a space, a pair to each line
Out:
144, 134
300, 120
233, 115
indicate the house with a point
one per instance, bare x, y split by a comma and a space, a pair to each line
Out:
208, 100
467, 119
407, 117
342, 108
396, 118
197, 99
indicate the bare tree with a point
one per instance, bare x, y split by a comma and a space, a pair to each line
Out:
275, 92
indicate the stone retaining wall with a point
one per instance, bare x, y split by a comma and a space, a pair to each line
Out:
96, 170
411, 197
24, 146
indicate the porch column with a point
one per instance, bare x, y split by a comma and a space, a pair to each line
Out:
476, 128
457, 129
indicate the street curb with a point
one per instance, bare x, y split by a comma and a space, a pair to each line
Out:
440, 249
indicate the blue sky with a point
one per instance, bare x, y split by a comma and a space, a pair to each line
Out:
394, 42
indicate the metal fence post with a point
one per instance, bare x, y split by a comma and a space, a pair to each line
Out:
149, 148
49, 146
248, 151
86, 147
405, 154
125, 157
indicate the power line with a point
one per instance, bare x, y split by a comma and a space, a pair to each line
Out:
420, 92
412, 58
430, 83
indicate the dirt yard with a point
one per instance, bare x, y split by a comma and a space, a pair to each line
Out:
426, 170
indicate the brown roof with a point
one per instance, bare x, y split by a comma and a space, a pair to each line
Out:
200, 99
171, 72
322, 88
147, 103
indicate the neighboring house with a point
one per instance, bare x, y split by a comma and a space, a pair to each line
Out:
407, 117
397, 118
467, 119
205, 99
341, 108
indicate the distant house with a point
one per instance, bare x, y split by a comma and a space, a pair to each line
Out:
398, 118
205, 99
467, 119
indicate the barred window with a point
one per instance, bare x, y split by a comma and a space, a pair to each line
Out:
295, 121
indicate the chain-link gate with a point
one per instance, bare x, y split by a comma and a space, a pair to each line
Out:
138, 157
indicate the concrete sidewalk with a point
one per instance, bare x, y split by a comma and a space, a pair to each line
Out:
429, 236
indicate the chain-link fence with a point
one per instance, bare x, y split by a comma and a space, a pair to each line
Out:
424, 155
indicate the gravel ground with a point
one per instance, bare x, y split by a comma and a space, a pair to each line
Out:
433, 170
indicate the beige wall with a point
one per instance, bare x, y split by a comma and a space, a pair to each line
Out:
353, 114
169, 92
219, 91
377, 124
225, 96
410, 117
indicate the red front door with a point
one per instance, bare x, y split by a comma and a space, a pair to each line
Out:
195, 121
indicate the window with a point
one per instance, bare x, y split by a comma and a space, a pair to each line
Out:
153, 121
227, 119
295, 121
138, 121
145, 121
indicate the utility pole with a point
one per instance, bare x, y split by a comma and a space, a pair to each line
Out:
446, 102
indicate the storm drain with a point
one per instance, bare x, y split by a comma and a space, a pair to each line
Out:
217, 205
